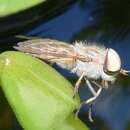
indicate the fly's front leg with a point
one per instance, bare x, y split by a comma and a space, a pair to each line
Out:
77, 85
104, 84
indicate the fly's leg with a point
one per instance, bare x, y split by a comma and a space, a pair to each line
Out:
77, 112
77, 85
104, 84
89, 101
90, 113
95, 94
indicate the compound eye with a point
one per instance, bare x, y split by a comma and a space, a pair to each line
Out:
112, 63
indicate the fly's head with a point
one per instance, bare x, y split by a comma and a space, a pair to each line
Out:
112, 65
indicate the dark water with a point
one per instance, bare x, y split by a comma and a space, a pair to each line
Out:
105, 22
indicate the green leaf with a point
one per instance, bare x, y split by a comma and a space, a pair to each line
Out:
39, 96
72, 123
8, 7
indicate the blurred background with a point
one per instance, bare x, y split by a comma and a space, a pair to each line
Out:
105, 22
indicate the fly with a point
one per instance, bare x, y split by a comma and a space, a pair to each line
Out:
90, 62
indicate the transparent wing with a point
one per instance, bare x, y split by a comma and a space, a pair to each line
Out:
53, 51
47, 48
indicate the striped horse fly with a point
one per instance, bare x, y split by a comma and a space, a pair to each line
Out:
96, 64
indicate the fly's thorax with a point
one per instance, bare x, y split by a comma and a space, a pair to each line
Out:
92, 49
91, 70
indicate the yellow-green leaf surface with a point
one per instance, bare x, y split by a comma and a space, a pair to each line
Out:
39, 96
72, 123
8, 7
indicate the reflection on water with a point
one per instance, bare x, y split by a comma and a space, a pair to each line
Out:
106, 22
